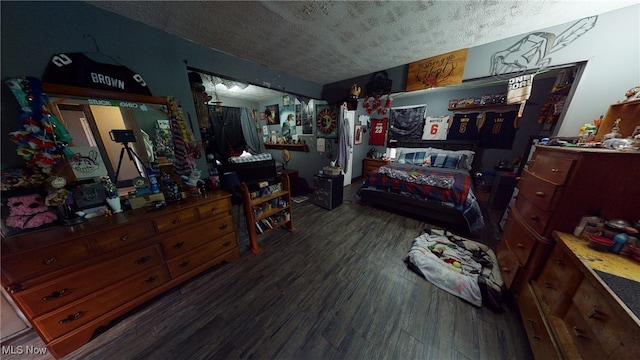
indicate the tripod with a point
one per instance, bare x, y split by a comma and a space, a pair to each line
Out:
132, 154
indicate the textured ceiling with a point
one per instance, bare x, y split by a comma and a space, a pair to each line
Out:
329, 41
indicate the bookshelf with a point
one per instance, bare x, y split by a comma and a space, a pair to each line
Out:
266, 210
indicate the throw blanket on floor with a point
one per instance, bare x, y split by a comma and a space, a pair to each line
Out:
462, 267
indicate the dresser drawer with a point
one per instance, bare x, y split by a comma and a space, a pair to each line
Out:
607, 321
508, 264
124, 235
552, 168
202, 255
74, 315
539, 338
584, 339
191, 238
212, 209
518, 238
539, 191
174, 220
36, 262
557, 278
532, 215
61, 291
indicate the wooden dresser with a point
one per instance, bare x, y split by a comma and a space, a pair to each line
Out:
370, 164
71, 280
560, 185
570, 312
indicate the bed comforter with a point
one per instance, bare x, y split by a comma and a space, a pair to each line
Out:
450, 187
462, 267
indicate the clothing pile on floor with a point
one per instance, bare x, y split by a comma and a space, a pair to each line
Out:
462, 267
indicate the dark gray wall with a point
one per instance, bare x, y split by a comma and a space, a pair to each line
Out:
33, 31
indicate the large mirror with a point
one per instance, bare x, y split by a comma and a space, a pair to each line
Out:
128, 131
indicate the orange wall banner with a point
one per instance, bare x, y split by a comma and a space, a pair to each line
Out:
441, 70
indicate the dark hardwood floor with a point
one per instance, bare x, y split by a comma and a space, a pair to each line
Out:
337, 288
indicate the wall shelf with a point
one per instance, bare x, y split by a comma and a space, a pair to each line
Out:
291, 147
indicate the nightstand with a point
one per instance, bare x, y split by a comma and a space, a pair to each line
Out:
370, 164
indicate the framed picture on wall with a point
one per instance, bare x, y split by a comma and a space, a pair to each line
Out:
272, 112
357, 136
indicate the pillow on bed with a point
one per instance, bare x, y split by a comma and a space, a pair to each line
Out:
414, 158
447, 161
467, 157
402, 151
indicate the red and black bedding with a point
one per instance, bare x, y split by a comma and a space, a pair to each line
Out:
433, 176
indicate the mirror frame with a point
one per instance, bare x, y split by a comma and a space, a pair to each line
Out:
61, 90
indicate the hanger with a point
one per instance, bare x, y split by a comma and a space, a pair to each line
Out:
98, 52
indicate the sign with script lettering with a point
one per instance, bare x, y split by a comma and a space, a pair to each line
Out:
76, 69
442, 70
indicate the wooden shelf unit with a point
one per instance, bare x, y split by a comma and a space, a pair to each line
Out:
256, 220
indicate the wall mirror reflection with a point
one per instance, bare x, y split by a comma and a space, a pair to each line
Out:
129, 131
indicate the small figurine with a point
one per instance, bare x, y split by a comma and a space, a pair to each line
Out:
633, 93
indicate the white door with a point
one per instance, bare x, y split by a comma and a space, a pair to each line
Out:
349, 117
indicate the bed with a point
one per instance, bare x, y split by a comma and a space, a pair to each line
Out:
431, 180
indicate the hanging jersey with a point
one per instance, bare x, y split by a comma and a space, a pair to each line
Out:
465, 127
77, 69
435, 128
499, 130
378, 134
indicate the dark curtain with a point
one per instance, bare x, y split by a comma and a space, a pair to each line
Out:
226, 132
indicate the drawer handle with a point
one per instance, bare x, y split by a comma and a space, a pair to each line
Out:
213, 209
548, 285
518, 178
143, 260
49, 261
54, 295
71, 317
507, 270
559, 261
178, 245
151, 279
554, 170
595, 312
540, 193
176, 221
222, 227
520, 245
535, 217
184, 263
578, 332
124, 237
226, 243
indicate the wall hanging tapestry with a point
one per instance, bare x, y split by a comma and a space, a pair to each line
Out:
406, 122
326, 122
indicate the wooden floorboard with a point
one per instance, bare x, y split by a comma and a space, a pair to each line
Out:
337, 288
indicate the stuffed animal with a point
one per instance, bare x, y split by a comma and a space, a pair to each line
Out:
28, 211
